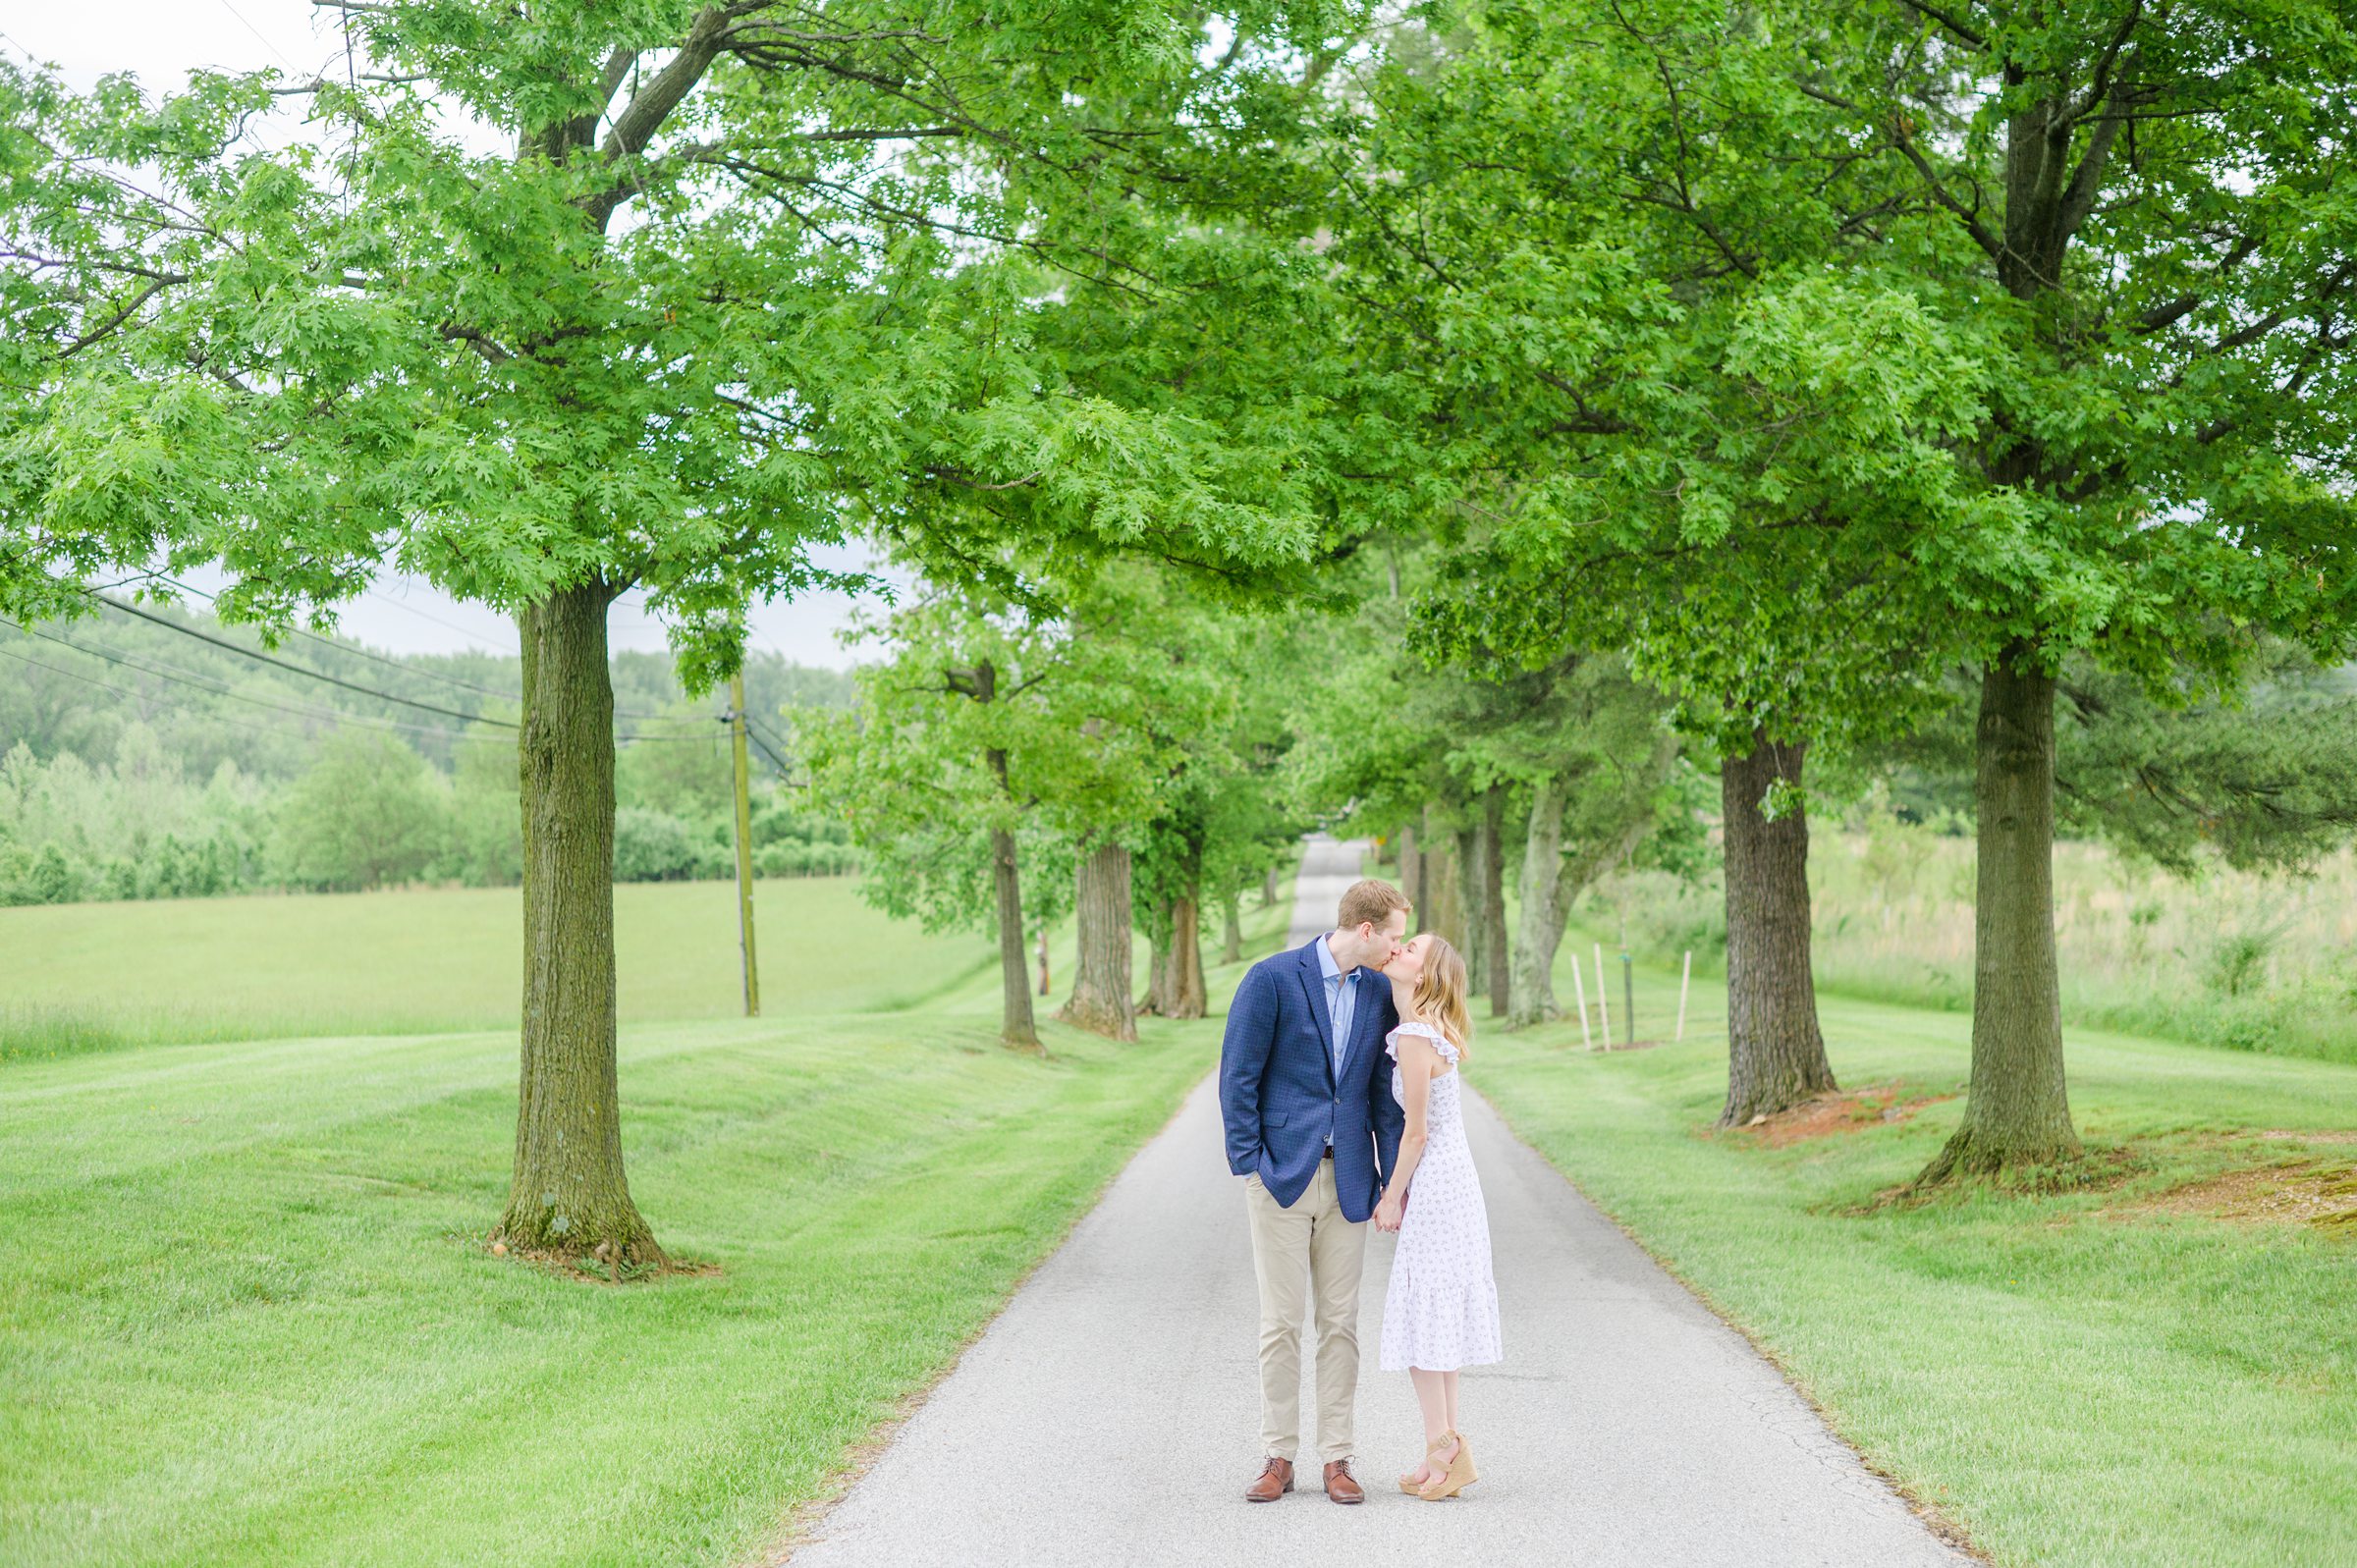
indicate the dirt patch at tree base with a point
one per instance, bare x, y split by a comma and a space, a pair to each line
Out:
1827, 1115
601, 1266
2301, 1193
2098, 1168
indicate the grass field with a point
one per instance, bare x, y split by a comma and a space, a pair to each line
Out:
2248, 962
2111, 1378
248, 1319
82, 977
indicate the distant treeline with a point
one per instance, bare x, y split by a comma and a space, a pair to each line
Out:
139, 762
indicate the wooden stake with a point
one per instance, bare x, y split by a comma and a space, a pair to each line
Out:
1603, 1010
1580, 993
1685, 977
1628, 993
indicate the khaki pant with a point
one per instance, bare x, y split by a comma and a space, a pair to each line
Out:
1303, 1255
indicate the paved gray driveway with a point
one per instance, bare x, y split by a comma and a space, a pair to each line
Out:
1110, 1415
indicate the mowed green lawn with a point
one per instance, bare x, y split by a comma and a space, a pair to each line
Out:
2079, 1379
76, 977
248, 1319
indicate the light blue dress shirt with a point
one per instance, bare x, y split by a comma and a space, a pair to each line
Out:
1341, 1003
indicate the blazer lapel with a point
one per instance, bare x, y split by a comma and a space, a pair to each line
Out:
1313, 985
1367, 1011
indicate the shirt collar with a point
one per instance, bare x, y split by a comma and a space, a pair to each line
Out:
1327, 967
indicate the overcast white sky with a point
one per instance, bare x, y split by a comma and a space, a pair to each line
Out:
160, 41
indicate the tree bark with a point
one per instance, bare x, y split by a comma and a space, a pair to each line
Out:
569, 1194
1469, 890
1497, 953
1775, 1049
2016, 1109
1100, 998
1189, 996
1442, 882
1533, 991
1232, 946
1015, 1025
1411, 879
1158, 977
1268, 889
1550, 885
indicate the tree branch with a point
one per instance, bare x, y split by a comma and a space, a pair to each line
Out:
1973, 225
115, 320
2098, 84
645, 113
1947, 20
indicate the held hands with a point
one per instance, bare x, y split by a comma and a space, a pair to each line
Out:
1391, 1212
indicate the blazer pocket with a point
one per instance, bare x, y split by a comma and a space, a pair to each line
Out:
1273, 1118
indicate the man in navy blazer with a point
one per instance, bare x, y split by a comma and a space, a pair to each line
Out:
1313, 1129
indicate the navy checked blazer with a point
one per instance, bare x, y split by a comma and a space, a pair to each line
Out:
1280, 1095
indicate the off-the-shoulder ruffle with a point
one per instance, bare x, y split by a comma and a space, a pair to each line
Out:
1440, 1041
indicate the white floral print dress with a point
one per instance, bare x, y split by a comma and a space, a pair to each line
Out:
1441, 1312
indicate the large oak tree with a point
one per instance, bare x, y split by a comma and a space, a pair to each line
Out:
741, 277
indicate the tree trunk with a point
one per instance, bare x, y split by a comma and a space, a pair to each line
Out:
1549, 885
1467, 918
1268, 889
1411, 879
2016, 1110
1442, 879
1532, 990
569, 1194
1189, 996
1158, 977
1100, 998
1497, 952
1015, 1025
1232, 946
1774, 1052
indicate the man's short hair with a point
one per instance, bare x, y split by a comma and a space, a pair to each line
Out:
1370, 902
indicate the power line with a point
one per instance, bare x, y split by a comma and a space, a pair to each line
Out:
356, 650
214, 686
284, 664
755, 730
258, 33
393, 664
447, 625
776, 761
136, 696
374, 657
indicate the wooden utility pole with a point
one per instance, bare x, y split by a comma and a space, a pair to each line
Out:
745, 845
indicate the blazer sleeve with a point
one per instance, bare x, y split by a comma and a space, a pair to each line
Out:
1245, 1051
1385, 1113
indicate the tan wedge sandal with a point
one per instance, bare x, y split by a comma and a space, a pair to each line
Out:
1459, 1475
1412, 1488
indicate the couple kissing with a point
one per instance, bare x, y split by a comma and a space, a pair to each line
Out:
1340, 1097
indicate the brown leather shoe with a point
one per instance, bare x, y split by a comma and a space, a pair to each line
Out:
1341, 1486
1276, 1480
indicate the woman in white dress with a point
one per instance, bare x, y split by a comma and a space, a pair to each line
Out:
1441, 1312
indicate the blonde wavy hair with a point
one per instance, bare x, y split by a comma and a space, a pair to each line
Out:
1438, 998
